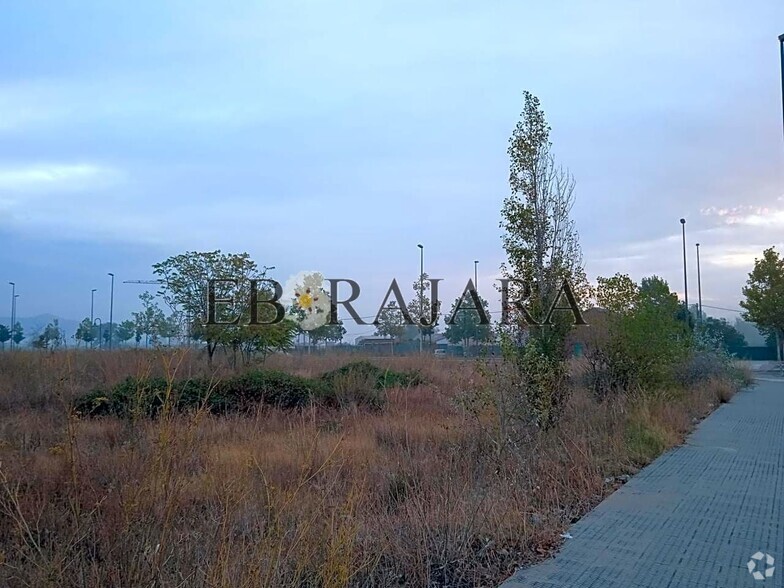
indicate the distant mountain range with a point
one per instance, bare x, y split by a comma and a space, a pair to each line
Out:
34, 325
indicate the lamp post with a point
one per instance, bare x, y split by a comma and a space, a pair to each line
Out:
92, 308
699, 284
111, 311
781, 46
685, 279
476, 279
13, 306
14, 311
100, 332
421, 292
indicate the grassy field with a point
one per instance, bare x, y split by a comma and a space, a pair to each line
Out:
416, 494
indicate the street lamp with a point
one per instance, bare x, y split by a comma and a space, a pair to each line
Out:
100, 332
421, 292
13, 305
476, 280
781, 46
699, 284
111, 311
685, 279
92, 308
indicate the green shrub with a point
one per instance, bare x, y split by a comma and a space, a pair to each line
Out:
644, 442
355, 388
381, 378
709, 360
131, 397
94, 403
543, 381
143, 397
700, 366
361, 383
354, 384
271, 387
192, 393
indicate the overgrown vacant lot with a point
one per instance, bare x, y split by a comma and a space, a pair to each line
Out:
422, 488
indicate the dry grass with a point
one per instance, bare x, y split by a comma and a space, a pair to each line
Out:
413, 495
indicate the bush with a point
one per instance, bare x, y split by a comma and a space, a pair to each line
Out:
131, 397
271, 387
709, 360
147, 396
544, 383
644, 441
354, 384
361, 383
699, 367
355, 388
380, 377
723, 389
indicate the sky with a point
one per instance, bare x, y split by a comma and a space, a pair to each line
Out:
335, 136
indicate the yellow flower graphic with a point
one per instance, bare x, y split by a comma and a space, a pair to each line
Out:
309, 303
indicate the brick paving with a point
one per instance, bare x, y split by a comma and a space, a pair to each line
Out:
692, 518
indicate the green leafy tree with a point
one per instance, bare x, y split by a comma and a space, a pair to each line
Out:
390, 322
328, 333
184, 288
85, 332
150, 321
645, 337
106, 333
764, 296
51, 337
125, 331
467, 326
721, 331
540, 238
5, 335
543, 250
617, 294
169, 327
247, 341
17, 334
420, 306
656, 336
261, 340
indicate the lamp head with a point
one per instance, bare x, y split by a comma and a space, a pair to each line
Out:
420, 245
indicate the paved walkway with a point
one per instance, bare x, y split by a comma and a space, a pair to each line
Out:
694, 517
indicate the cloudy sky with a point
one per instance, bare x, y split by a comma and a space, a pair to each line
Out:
337, 135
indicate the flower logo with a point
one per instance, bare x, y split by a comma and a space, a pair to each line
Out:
309, 304
758, 569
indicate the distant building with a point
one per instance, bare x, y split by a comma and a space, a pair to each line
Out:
375, 344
